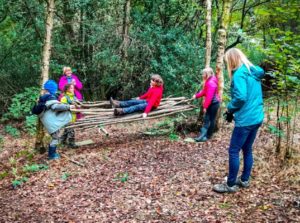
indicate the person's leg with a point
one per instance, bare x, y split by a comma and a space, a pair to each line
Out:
124, 104
238, 139
52, 155
203, 131
213, 114
71, 137
135, 108
64, 136
247, 153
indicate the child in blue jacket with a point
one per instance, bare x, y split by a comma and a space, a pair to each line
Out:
55, 117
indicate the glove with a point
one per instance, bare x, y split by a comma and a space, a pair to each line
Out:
228, 116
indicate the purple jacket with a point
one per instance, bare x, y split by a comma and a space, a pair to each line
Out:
209, 91
63, 81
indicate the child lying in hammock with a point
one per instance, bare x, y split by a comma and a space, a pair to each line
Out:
146, 102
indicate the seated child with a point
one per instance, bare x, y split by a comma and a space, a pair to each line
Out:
55, 117
146, 102
69, 97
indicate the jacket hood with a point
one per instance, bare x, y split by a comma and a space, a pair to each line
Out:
255, 71
47, 97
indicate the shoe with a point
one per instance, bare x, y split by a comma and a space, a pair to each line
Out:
73, 146
118, 111
114, 103
52, 155
202, 137
224, 188
243, 184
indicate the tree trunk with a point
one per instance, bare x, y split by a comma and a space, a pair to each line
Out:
39, 143
208, 34
221, 50
125, 33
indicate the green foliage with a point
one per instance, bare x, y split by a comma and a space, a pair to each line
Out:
173, 137
12, 131
1, 143
122, 177
22, 103
18, 182
30, 124
35, 167
65, 176
276, 131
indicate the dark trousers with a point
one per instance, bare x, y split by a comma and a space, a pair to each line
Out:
210, 118
133, 105
68, 136
242, 139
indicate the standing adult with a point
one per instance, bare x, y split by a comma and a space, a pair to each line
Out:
211, 104
246, 106
69, 78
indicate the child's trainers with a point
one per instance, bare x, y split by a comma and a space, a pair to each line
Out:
243, 184
224, 188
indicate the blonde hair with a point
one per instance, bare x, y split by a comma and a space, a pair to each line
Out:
66, 69
159, 81
208, 71
234, 58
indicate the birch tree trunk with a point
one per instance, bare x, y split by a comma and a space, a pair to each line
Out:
207, 52
39, 143
222, 39
208, 34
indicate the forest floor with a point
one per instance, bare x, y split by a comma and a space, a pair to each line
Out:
130, 177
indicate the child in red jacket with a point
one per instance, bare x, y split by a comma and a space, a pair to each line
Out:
146, 102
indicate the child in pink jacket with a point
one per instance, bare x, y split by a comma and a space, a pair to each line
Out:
211, 104
69, 78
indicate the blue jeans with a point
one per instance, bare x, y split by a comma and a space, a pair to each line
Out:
133, 105
242, 138
210, 118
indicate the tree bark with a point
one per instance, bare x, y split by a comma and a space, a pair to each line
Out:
208, 34
222, 38
222, 43
125, 34
39, 143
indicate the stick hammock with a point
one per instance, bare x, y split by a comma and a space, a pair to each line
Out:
100, 113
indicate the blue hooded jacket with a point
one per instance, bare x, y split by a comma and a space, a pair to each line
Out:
246, 96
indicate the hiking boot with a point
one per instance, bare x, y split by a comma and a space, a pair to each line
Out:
202, 136
114, 103
243, 184
118, 111
201, 139
224, 188
52, 155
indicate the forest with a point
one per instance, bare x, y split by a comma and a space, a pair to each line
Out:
147, 169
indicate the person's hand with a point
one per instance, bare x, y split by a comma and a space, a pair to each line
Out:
73, 82
144, 115
137, 98
228, 116
194, 96
204, 110
72, 107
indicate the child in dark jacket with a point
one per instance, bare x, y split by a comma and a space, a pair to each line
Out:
146, 102
55, 117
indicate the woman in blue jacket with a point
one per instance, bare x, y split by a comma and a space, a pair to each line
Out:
246, 106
